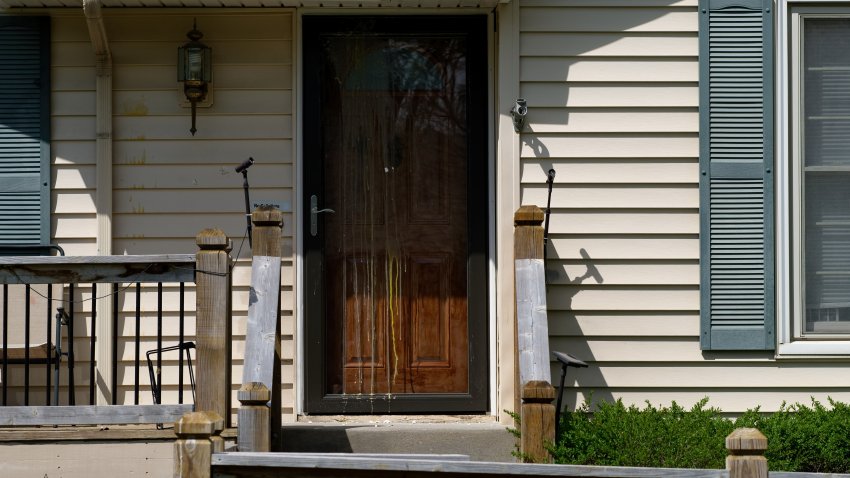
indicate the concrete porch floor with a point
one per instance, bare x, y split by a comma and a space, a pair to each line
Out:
482, 440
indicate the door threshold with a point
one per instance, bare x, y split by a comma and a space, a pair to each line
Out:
393, 419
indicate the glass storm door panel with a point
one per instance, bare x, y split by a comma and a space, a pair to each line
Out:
825, 179
396, 155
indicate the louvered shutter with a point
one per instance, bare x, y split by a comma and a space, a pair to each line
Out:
24, 130
736, 180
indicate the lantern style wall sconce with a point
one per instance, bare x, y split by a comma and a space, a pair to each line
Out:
194, 69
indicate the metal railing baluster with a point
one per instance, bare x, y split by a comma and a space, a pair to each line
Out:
50, 353
5, 340
92, 342
72, 399
158, 342
138, 333
27, 292
181, 338
115, 313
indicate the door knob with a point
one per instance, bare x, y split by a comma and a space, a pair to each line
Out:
314, 215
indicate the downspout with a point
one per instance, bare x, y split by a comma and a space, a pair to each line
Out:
103, 100
103, 194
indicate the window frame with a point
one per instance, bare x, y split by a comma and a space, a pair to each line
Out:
788, 202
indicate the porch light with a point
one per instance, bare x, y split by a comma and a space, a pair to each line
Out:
194, 69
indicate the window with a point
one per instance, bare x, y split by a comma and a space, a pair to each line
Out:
814, 173
24, 130
820, 173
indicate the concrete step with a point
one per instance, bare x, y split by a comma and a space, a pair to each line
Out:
481, 441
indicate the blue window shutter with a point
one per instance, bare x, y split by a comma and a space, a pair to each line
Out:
736, 179
24, 130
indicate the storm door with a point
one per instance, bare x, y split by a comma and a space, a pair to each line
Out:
395, 214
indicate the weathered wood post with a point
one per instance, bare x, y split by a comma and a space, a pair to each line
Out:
213, 282
746, 454
193, 448
537, 413
262, 336
254, 423
538, 421
218, 426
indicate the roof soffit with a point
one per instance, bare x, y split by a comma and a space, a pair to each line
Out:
330, 4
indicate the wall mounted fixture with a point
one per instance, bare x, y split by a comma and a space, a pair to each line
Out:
518, 114
194, 69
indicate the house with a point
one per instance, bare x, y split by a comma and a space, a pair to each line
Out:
682, 133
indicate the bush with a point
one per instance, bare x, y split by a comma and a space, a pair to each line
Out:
800, 438
616, 435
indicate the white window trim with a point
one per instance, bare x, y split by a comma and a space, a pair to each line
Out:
787, 346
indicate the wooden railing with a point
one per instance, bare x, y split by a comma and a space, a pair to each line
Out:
199, 449
209, 269
198, 453
537, 414
260, 411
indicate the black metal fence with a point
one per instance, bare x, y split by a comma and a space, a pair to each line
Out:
50, 330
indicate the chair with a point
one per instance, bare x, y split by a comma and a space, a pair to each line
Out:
155, 373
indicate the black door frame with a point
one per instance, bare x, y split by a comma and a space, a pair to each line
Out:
474, 27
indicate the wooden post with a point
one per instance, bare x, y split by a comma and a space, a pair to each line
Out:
528, 233
537, 414
193, 449
253, 417
213, 282
218, 426
530, 327
530, 277
262, 336
746, 454
538, 421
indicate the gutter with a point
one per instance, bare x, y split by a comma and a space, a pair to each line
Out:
103, 193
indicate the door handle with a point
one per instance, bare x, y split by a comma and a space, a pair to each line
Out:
314, 215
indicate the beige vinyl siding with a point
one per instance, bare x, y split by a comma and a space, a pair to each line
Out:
73, 221
167, 185
156, 158
612, 88
613, 96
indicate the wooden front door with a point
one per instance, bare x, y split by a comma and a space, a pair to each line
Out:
395, 212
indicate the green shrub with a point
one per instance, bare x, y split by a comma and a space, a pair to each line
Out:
616, 435
800, 438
